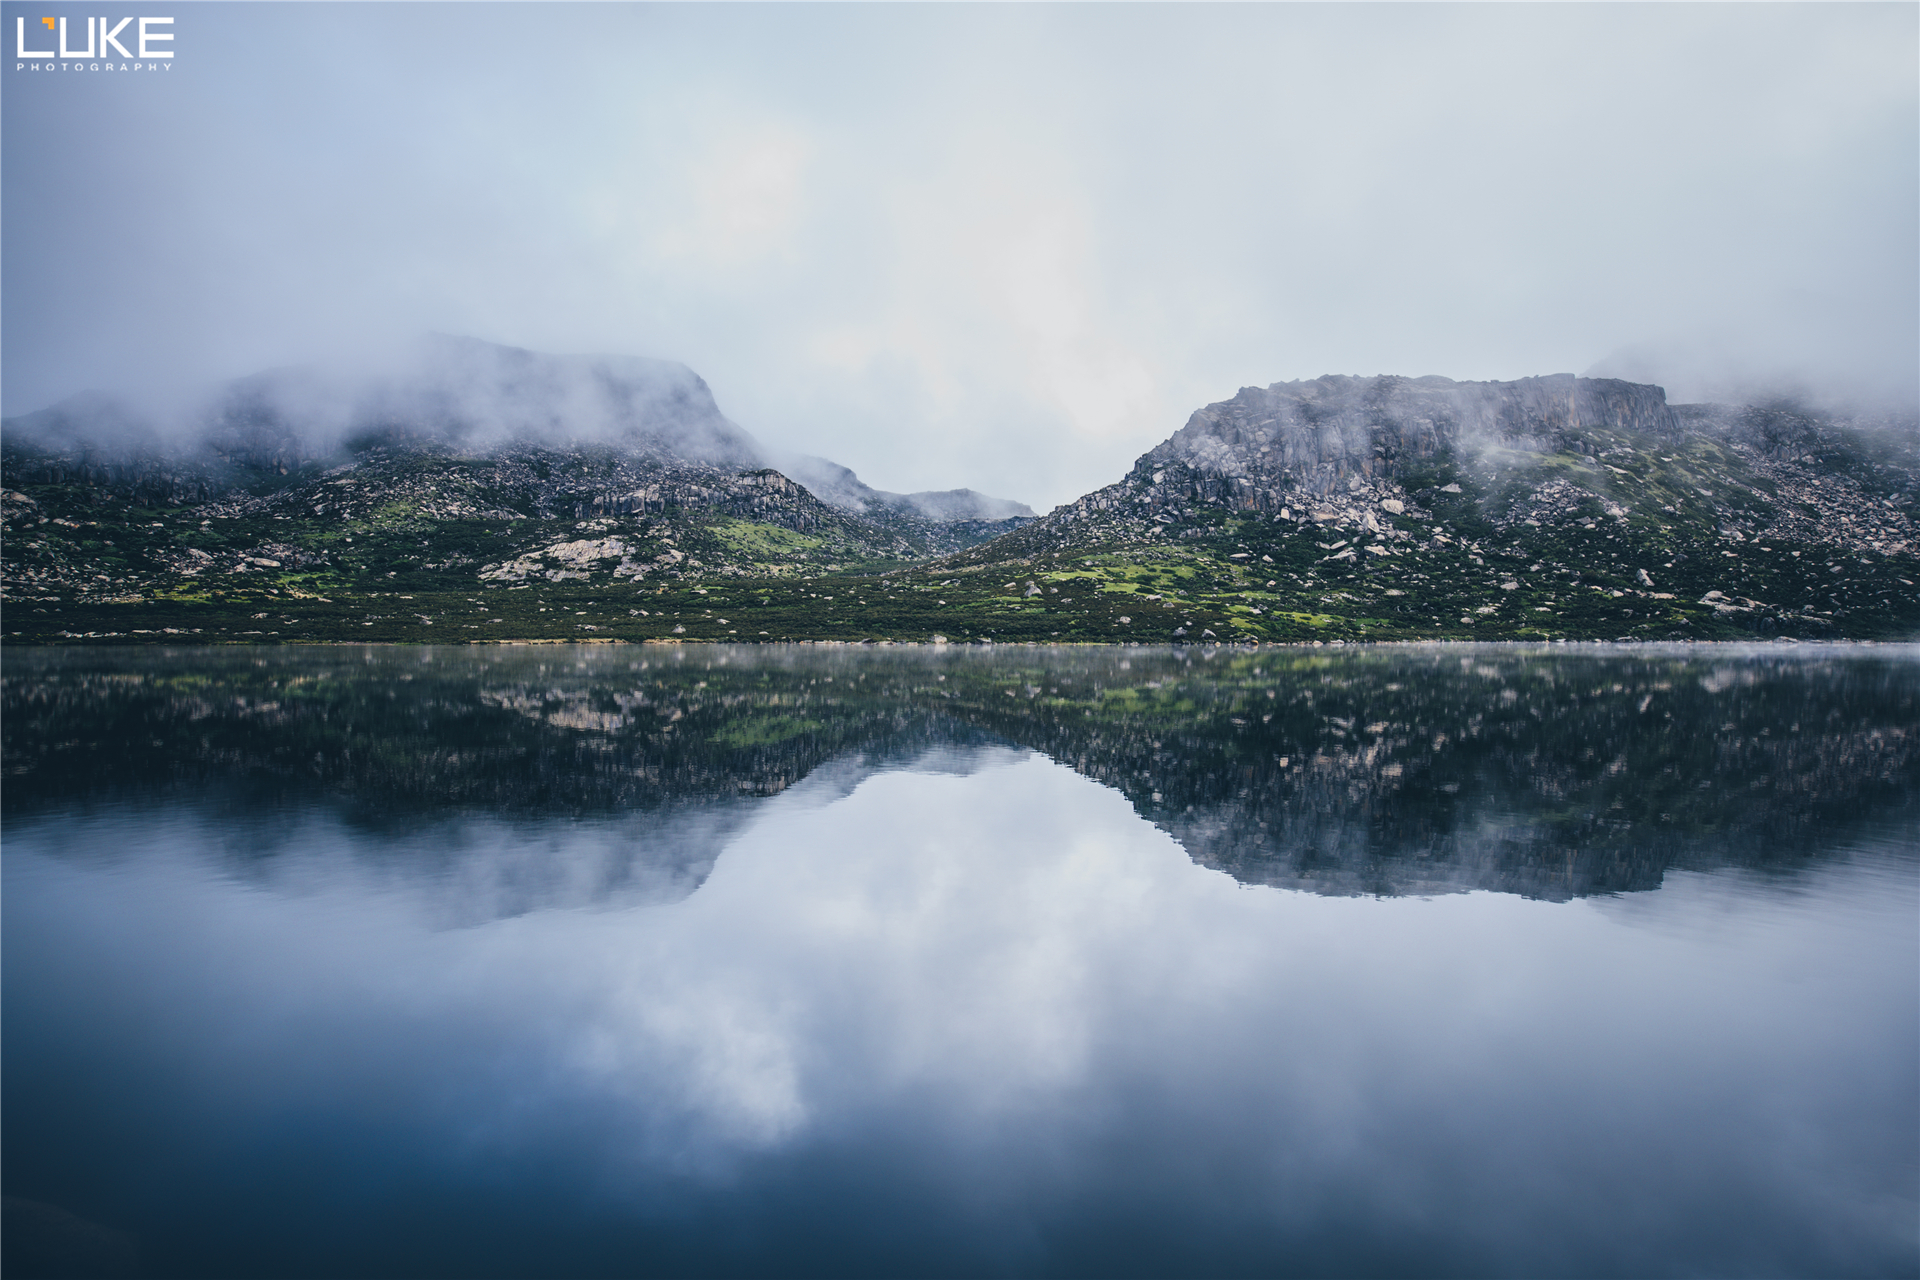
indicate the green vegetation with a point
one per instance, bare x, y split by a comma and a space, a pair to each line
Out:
1641, 538
759, 541
1602, 766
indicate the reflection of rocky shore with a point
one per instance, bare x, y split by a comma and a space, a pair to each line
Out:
403, 733
1394, 770
1398, 771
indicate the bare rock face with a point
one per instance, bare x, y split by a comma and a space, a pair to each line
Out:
1340, 450
1312, 437
1388, 494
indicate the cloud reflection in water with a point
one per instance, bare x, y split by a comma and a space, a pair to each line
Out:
969, 1014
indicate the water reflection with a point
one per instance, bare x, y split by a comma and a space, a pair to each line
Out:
1383, 771
585, 963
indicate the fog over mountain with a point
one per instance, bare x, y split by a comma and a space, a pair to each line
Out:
449, 390
838, 485
1004, 248
1320, 434
472, 397
1376, 508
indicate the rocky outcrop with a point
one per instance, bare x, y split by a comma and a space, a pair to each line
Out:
1348, 452
1314, 437
1343, 450
1335, 447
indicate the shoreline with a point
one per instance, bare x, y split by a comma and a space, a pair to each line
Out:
106, 640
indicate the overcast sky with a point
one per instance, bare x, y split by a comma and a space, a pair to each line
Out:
1005, 247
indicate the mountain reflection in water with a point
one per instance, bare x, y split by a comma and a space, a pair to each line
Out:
1547, 772
529, 962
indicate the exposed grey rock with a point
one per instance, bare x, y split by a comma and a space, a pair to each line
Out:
1335, 433
1373, 454
1334, 450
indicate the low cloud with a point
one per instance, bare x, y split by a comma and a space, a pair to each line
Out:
997, 248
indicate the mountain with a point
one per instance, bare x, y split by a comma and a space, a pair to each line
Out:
452, 434
1329, 452
945, 519
619, 500
1556, 506
838, 485
450, 392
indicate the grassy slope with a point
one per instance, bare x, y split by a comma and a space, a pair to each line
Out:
1469, 566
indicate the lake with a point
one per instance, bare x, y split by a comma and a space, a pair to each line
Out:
1435, 960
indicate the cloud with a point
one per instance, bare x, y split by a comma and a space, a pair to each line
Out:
998, 247
743, 197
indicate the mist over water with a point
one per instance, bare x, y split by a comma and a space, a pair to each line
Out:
827, 975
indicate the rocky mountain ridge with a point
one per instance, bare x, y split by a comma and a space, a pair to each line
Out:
1313, 437
1332, 450
1442, 505
1339, 508
462, 431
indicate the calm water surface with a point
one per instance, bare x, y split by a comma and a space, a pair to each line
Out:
1439, 960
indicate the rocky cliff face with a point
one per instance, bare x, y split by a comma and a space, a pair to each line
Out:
1311, 438
1338, 451
1538, 508
1341, 445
